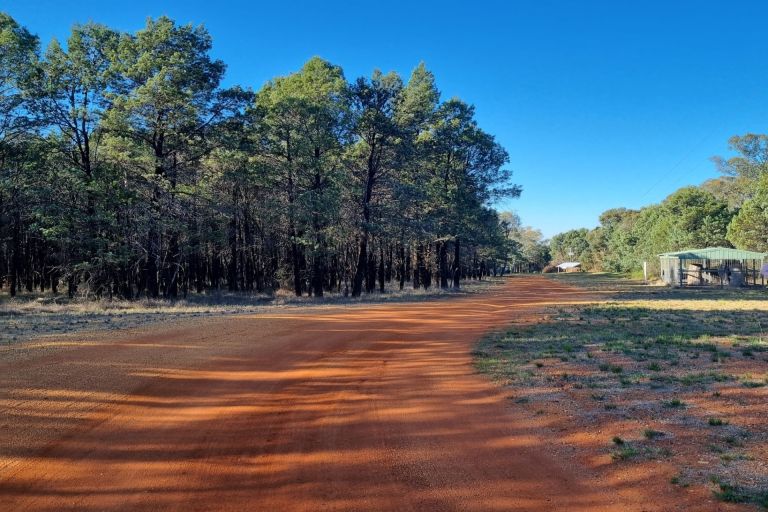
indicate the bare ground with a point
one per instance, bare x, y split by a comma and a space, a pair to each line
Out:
661, 382
360, 408
34, 315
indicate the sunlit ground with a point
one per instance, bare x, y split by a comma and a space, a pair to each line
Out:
652, 374
33, 315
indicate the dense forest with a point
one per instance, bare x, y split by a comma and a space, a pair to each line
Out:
128, 170
729, 211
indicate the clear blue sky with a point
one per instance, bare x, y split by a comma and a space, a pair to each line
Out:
600, 104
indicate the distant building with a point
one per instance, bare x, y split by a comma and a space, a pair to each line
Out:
569, 266
720, 266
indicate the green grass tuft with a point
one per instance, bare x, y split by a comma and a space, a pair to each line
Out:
675, 403
649, 433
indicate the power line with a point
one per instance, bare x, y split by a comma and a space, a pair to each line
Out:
678, 164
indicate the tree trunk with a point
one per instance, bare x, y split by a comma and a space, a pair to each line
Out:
171, 268
456, 263
408, 264
16, 253
298, 285
71, 286
442, 255
318, 274
418, 271
233, 254
381, 268
362, 266
402, 269
151, 285
370, 280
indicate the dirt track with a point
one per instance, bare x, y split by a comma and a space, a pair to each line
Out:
364, 408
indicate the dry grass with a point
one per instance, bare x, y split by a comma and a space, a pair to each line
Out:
691, 366
33, 316
618, 286
734, 304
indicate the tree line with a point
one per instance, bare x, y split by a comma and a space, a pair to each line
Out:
527, 249
128, 170
728, 211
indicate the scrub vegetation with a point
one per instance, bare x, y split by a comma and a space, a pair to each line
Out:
28, 317
675, 376
729, 211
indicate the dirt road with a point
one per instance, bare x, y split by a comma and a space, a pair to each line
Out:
363, 408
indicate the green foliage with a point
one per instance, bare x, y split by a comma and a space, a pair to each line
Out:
127, 169
650, 433
731, 209
749, 228
736, 494
570, 246
690, 217
18, 56
696, 219
741, 172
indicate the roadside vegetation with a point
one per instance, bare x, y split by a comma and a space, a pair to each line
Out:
128, 170
656, 375
729, 211
28, 317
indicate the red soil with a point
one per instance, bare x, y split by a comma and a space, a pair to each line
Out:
358, 408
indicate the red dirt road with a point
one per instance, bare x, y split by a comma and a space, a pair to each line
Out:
359, 408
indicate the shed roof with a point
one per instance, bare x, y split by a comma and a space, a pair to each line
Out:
569, 264
715, 253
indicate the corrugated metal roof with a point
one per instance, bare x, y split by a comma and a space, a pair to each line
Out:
715, 253
569, 264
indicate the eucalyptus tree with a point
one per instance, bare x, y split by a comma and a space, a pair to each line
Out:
749, 228
534, 249
740, 172
570, 245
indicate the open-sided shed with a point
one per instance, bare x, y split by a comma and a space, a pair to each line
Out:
721, 266
569, 266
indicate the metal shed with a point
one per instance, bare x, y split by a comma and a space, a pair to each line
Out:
720, 266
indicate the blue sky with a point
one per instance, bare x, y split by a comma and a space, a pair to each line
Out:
600, 104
